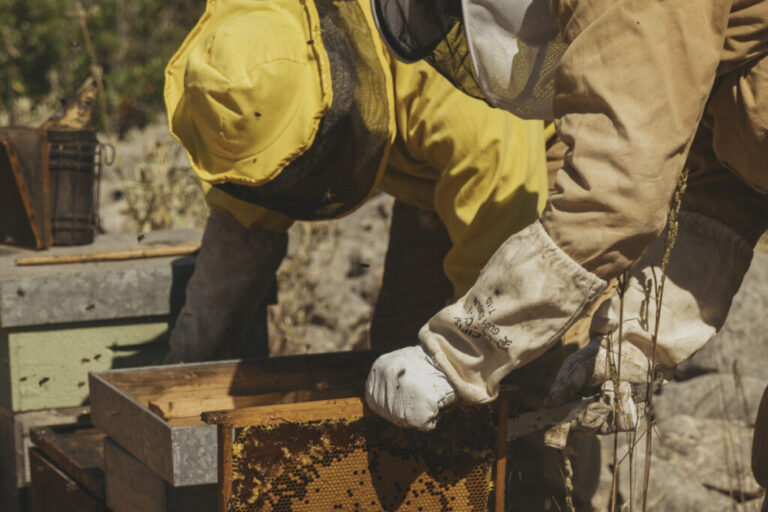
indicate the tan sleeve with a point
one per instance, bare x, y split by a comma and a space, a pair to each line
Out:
738, 115
631, 91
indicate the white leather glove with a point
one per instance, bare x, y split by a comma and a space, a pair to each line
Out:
234, 271
705, 270
406, 388
527, 295
525, 298
613, 412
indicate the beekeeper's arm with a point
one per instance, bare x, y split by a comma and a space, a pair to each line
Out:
234, 272
631, 91
482, 170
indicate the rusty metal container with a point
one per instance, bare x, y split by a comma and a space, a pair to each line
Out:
49, 186
75, 160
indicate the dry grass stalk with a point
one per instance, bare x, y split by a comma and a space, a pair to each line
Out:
96, 70
652, 377
735, 445
298, 298
568, 479
615, 372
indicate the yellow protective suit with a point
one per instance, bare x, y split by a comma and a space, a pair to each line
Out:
483, 171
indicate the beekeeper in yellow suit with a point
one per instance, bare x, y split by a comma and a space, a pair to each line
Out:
294, 110
640, 92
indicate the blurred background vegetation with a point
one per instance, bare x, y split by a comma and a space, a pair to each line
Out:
49, 47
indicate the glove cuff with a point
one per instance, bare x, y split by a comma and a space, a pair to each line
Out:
705, 269
527, 295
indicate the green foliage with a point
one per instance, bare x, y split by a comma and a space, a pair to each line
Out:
44, 52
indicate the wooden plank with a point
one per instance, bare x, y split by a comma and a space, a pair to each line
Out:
11, 461
133, 487
52, 490
342, 408
15, 442
247, 377
224, 439
188, 421
132, 425
129, 486
133, 291
79, 452
186, 405
126, 254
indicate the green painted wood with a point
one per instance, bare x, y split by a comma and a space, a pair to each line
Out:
49, 368
5, 371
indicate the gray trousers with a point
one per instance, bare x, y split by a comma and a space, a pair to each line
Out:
414, 286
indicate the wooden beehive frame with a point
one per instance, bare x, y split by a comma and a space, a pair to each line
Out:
336, 409
154, 413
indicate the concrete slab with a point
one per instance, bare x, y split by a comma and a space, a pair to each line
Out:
88, 292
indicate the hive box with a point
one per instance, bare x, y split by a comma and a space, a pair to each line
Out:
155, 413
152, 417
67, 469
59, 322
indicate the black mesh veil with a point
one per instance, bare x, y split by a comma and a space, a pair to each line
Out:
451, 59
431, 30
515, 47
412, 28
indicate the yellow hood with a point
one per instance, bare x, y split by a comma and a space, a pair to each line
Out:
247, 89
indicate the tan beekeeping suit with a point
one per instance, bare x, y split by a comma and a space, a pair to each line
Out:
643, 90
638, 81
639, 85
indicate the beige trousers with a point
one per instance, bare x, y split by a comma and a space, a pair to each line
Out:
640, 81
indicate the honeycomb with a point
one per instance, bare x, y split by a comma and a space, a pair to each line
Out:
365, 465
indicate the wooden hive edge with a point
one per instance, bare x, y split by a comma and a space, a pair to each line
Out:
299, 412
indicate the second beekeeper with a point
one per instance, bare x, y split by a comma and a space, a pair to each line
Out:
294, 110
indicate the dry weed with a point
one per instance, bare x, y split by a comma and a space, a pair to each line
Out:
298, 297
163, 195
